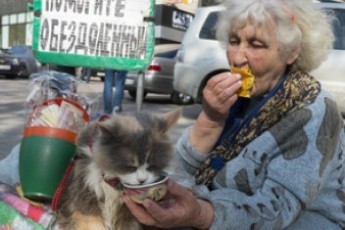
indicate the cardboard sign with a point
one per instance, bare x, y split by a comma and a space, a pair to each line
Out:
115, 34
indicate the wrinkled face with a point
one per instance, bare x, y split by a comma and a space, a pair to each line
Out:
257, 48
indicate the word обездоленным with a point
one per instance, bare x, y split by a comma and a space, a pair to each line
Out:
95, 28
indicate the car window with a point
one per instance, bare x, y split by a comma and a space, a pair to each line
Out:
339, 29
208, 30
169, 54
17, 50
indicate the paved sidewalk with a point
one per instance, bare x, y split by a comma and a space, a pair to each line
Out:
12, 110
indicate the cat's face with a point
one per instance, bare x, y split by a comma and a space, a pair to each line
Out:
134, 149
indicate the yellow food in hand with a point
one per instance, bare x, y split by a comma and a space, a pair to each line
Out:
247, 79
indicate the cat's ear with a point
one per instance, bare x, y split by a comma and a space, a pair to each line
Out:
172, 117
103, 129
106, 130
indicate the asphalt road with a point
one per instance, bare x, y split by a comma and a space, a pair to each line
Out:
13, 109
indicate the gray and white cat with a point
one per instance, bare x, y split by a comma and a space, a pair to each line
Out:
122, 149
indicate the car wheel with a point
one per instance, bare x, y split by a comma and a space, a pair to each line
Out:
180, 98
11, 77
133, 94
23, 71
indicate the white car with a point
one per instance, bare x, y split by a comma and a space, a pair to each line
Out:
201, 56
331, 73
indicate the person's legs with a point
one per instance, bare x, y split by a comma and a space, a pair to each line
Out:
85, 76
108, 91
83, 73
119, 89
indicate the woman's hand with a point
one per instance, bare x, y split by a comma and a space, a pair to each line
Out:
180, 209
219, 95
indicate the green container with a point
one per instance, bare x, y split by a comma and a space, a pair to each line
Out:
45, 154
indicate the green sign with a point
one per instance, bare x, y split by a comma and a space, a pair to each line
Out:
115, 34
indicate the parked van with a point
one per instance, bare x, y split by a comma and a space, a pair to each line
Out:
201, 56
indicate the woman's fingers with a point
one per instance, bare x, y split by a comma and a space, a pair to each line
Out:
175, 211
165, 209
139, 212
176, 189
223, 81
220, 94
177, 207
222, 87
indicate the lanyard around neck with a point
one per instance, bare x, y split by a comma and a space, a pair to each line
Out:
236, 123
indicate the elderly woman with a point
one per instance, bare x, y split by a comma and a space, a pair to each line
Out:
276, 160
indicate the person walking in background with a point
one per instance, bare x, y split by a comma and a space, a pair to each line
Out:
113, 104
85, 74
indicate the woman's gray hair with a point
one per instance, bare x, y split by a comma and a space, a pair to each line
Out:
300, 24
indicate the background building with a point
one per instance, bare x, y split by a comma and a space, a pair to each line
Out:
171, 23
15, 22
